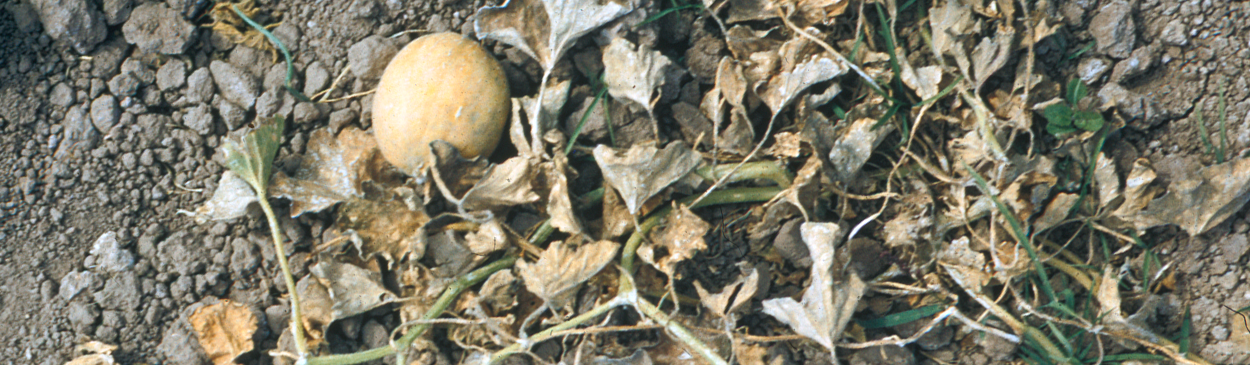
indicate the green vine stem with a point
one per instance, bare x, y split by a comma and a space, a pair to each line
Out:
738, 195
297, 330
769, 170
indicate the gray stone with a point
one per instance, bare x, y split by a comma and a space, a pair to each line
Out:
76, 22
181, 255
1142, 111
369, 57
121, 292
316, 77
200, 86
1138, 63
245, 257
123, 85
79, 133
883, 355
171, 75
1114, 30
62, 94
200, 119
236, 85
269, 102
105, 113
24, 15
82, 316
74, 282
155, 28
1174, 33
117, 11
341, 118
275, 78
233, 115
181, 347
1092, 69
374, 334
790, 245
290, 35
110, 256
308, 112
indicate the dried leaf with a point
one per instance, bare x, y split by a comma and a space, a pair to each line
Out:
505, 184
554, 97
1056, 211
353, 290
489, 237
991, 54
681, 236
1107, 180
1137, 191
95, 353
733, 295
559, 205
561, 268
1202, 201
914, 222
828, 304
633, 72
499, 292
750, 10
966, 266
331, 171
800, 69
224, 330
854, 146
229, 201
643, 170
387, 229
546, 29
804, 191
739, 136
786, 145
316, 311
458, 173
923, 80
949, 23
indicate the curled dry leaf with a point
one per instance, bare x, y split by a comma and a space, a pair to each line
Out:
643, 171
829, 302
224, 330
561, 268
801, 67
633, 72
505, 184
805, 190
489, 237
559, 205
1202, 201
681, 236
229, 201
923, 80
854, 146
499, 292
458, 173
1137, 189
1056, 211
554, 97
732, 296
95, 353
331, 172
949, 23
386, 228
1107, 180
966, 266
545, 29
315, 310
352, 289
914, 222
803, 12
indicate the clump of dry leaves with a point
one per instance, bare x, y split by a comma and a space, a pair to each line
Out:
900, 186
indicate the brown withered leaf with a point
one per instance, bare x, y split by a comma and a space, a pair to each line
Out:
787, 145
633, 72
229, 201
992, 54
616, 217
854, 146
923, 80
964, 265
1137, 190
804, 13
353, 290
505, 184
681, 236
1201, 201
561, 268
644, 170
1019, 195
1056, 211
802, 65
732, 296
330, 172
386, 228
559, 205
829, 302
1107, 180
804, 191
499, 292
315, 309
94, 353
545, 29
457, 172
949, 23
224, 330
914, 222
489, 237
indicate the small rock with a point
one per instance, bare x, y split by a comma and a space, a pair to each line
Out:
316, 77
341, 118
76, 22
62, 95
121, 292
1114, 30
200, 86
277, 316
1141, 60
1175, 33
289, 34
199, 119
369, 57
789, 244
1092, 69
245, 257
1143, 111
181, 347
82, 316
123, 85
171, 75
109, 254
374, 334
183, 256
269, 102
1220, 333
74, 282
155, 28
117, 11
105, 112
275, 78
236, 85
307, 112
234, 116
79, 133
883, 355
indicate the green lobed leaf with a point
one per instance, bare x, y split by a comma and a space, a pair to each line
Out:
251, 156
1088, 120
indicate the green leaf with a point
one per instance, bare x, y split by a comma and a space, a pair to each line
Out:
1186, 326
1076, 91
895, 319
1088, 120
1058, 119
251, 156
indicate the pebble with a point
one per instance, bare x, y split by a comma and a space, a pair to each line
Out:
1173, 34
1092, 69
200, 86
109, 254
171, 75
155, 28
235, 84
105, 112
82, 315
79, 132
316, 78
74, 282
369, 57
76, 22
121, 292
199, 119
62, 95
117, 11
124, 84
1114, 30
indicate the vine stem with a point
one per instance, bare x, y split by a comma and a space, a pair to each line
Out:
297, 329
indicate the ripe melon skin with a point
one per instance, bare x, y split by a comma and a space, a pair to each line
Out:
440, 86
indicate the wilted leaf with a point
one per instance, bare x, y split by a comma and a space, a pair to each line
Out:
966, 266
681, 236
229, 201
1202, 201
914, 222
489, 237
828, 304
1137, 190
991, 54
1056, 211
800, 69
251, 155
949, 23
786, 145
547, 112
854, 146
458, 173
803, 12
546, 29
633, 72
224, 330
505, 184
804, 191
352, 289
559, 205
499, 292
386, 228
643, 170
923, 80
330, 172
95, 353
616, 216
316, 309
733, 295
561, 268
1108, 181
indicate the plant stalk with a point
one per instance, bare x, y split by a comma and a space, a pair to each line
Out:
738, 195
297, 329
